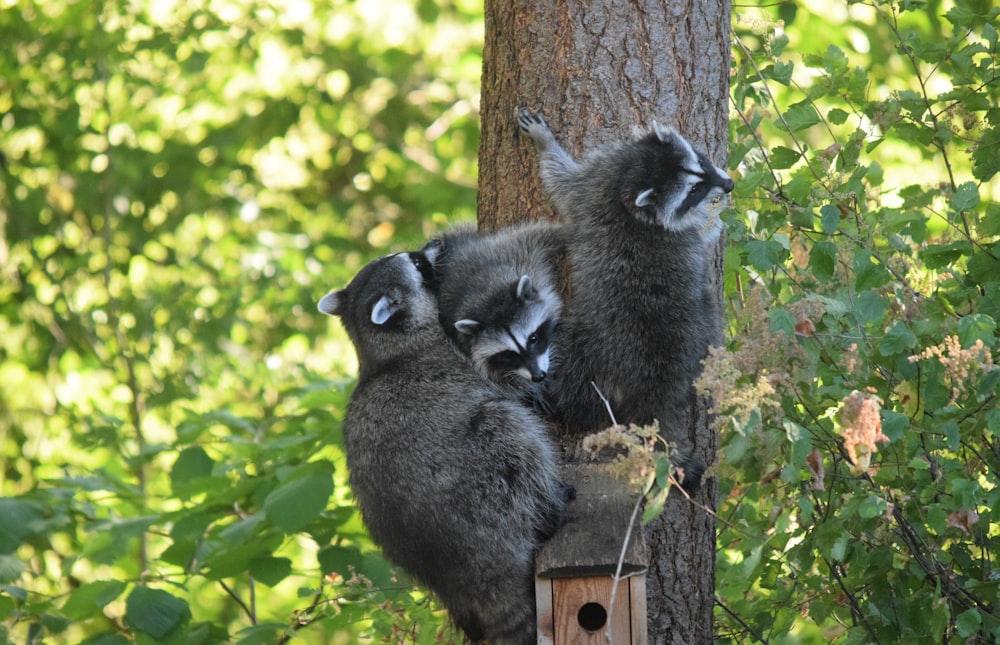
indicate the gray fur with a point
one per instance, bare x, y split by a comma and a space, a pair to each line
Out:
641, 315
499, 303
456, 482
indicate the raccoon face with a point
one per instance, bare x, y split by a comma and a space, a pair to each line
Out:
516, 342
390, 294
674, 185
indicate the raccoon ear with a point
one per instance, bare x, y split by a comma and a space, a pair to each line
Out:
332, 304
467, 326
525, 290
660, 134
383, 310
433, 249
645, 198
675, 137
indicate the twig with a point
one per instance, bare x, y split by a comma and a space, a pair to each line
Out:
239, 601
621, 560
607, 404
742, 622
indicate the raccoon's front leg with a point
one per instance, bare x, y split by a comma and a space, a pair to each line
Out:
556, 167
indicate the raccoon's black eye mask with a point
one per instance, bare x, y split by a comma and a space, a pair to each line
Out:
425, 268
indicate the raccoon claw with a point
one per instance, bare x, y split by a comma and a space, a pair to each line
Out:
530, 122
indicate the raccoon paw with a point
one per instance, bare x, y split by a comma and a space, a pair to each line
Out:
533, 125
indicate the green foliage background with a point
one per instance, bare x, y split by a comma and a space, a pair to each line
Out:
183, 180
861, 435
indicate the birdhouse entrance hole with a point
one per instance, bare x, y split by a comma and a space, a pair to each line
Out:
592, 616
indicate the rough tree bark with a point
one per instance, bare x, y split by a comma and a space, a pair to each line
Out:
597, 70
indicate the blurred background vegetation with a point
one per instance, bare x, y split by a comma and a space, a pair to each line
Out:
183, 180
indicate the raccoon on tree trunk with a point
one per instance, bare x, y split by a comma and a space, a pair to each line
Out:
499, 301
456, 482
641, 315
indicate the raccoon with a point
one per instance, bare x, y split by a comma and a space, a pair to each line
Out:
456, 482
641, 315
499, 302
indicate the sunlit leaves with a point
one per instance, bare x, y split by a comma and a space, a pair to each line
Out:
873, 161
181, 182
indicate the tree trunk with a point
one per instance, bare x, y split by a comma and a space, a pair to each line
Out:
597, 70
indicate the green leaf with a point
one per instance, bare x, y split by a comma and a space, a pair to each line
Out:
801, 116
783, 157
837, 116
243, 531
154, 611
261, 634
270, 570
11, 568
107, 638
18, 519
834, 60
823, 260
965, 197
783, 321
838, 551
898, 339
801, 217
868, 274
894, 425
89, 599
780, 41
937, 256
977, 327
781, 71
870, 307
829, 218
301, 498
325, 397
6, 607
986, 156
654, 504
872, 507
800, 187
763, 254
990, 224
968, 622
191, 465
984, 265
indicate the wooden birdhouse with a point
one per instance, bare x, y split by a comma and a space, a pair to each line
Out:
574, 571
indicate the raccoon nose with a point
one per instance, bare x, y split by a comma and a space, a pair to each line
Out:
538, 377
727, 185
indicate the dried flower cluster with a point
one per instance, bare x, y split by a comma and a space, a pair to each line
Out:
851, 360
959, 364
634, 447
748, 379
731, 399
859, 423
